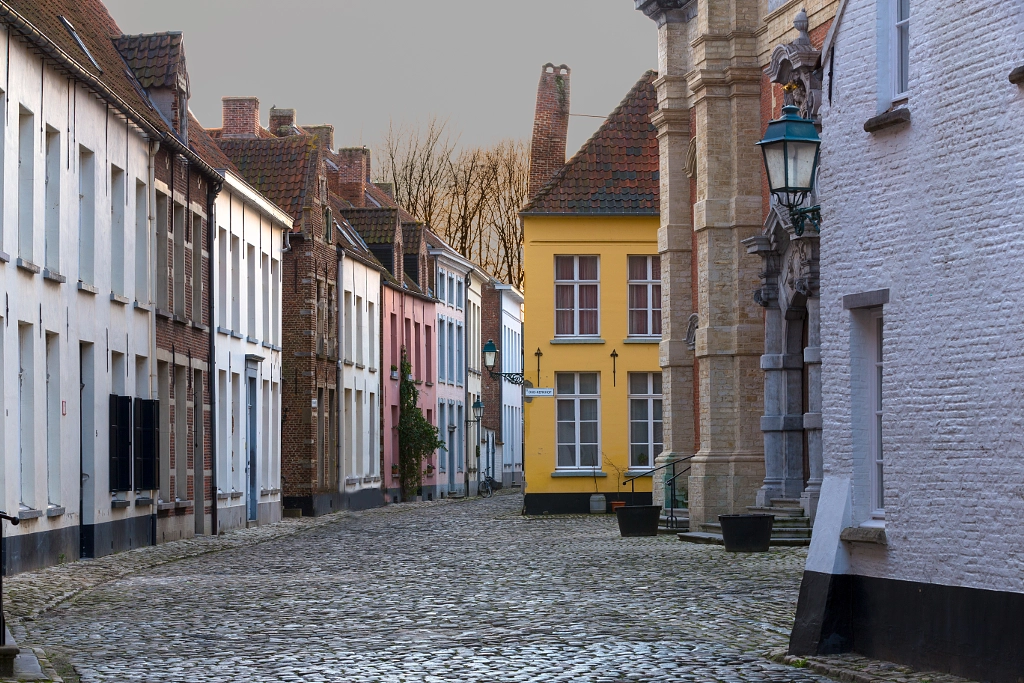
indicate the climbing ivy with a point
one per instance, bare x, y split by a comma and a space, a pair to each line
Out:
417, 438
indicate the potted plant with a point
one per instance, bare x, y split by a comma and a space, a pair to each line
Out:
394, 469
394, 372
746, 533
633, 519
430, 469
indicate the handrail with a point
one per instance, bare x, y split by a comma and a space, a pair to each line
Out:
652, 471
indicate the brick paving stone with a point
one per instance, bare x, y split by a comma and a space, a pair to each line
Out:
445, 591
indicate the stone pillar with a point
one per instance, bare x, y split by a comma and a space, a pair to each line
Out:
725, 81
674, 235
812, 418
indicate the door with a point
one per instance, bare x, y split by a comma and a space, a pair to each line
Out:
250, 412
450, 454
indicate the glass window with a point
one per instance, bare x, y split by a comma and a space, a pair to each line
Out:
901, 48
877, 465
645, 421
576, 295
576, 413
645, 295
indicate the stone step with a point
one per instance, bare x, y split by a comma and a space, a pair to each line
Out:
716, 539
786, 503
778, 532
777, 511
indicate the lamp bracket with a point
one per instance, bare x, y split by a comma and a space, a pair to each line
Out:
799, 218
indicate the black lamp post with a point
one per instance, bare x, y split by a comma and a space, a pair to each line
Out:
790, 147
3, 619
490, 358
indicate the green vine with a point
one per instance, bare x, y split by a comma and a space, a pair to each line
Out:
417, 438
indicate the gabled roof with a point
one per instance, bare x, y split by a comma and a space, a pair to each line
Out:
377, 197
411, 235
284, 170
375, 226
157, 59
616, 171
203, 145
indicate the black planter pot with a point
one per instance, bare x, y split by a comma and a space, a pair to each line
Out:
746, 533
638, 520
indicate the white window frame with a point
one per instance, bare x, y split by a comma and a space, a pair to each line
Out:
650, 284
898, 26
575, 398
575, 283
875, 369
649, 397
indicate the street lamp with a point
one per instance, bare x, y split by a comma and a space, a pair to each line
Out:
790, 147
490, 358
478, 410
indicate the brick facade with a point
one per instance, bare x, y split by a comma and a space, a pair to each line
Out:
550, 125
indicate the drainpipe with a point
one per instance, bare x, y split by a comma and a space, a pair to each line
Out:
338, 380
211, 227
154, 147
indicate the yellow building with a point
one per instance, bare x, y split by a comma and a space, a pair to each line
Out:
593, 309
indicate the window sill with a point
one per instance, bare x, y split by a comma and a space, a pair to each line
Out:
139, 306
577, 340
375, 370
346, 361
236, 335
864, 534
179, 319
887, 119
86, 288
55, 510
251, 340
118, 299
1017, 76
222, 496
199, 326
579, 473
29, 514
642, 340
4, 257
161, 313
119, 503
183, 504
143, 502
223, 331
165, 506
27, 266
265, 345
429, 384
235, 495
639, 473
360, 366
53, 276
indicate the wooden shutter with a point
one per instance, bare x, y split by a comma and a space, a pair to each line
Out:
120, 442
115, 442
147, 444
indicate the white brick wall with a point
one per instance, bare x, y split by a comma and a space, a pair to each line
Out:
932, 211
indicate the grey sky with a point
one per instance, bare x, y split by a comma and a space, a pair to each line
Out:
357, 63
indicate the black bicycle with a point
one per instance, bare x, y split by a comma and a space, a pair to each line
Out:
488, 486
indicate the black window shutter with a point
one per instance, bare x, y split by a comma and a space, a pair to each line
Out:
147, 444
115, 442
137, 446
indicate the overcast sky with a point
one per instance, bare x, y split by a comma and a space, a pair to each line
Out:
359, 63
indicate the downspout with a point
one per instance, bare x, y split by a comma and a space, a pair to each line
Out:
467, 408
211, 226
338, 379
154, 391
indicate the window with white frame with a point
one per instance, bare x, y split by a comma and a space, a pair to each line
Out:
645, 422
442, 352
900, 48
441, 277
877, 463
577, 408
576, 295
644, 296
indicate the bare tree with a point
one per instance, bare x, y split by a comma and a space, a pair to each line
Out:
471, 198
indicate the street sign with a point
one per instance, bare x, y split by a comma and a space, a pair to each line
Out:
538, 391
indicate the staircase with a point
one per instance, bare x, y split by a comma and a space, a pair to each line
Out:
680, 522
790, 528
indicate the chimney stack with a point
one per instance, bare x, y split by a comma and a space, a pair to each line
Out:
350, 178
550, 125
240, 117
282, 118
324, 134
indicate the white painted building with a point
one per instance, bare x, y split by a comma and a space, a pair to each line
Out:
359, 368
247, 293
510, 451
475, 443
918, 548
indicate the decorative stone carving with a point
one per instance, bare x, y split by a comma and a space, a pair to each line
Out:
691, 159
797, 67
668, 11
691, 331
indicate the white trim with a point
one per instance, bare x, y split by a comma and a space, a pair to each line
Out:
876, 457
894, 26
575, 284
576, 397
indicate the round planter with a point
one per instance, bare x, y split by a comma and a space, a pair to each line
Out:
638, 520
746, 533
616, 504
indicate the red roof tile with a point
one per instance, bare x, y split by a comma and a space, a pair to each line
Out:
284, 170
203, 145
616, 171
157, 59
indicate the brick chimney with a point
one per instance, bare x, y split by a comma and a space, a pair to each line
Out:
324, 134
349, 179
282, 118
550, 125
240, 117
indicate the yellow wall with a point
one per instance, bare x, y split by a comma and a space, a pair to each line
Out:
613, 239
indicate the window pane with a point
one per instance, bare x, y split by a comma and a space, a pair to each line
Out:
638, 322
658, 438
588, 382
638, 383
903, 10
656, 309
655, 267
566, 410
588, 322
656, 377
638, 296
564, 268
638, 432
639, 456
588, 409
563, 322
565, 382
588, 456
637, 267
588, 432
566, 432
588, 296
566, 456
638, 410
904, 65
588, 268
656, 409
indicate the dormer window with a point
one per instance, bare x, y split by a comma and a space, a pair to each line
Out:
78, 40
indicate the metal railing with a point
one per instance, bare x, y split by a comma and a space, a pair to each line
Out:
668, 483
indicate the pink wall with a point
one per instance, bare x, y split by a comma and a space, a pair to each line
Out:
409, 322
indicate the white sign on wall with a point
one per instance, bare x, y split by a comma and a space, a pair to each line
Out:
538, 391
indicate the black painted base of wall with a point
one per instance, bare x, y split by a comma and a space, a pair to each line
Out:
117, 536
26, 552
326, 503
968, 632
575, 503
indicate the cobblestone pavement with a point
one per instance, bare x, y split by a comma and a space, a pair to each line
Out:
466, 591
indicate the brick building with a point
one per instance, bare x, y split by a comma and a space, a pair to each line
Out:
287, 166
917, 549
501, 447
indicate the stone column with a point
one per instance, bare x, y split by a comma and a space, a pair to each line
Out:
725, 80
812, 418
675, 233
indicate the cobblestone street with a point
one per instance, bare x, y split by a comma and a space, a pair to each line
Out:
466, 591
